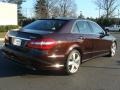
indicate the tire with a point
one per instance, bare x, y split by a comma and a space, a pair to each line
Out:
113, 50
73, 62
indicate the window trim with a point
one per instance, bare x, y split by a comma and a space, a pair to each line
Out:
90, 24
89, 28
71, 31
47, 30
75, 23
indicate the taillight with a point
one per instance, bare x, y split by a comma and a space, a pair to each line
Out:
42, 44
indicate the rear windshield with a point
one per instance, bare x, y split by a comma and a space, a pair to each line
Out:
45, 25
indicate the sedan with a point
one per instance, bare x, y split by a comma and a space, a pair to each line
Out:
58, 44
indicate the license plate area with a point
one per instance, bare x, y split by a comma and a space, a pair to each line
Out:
16, 41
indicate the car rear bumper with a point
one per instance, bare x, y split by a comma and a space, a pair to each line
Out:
43, 61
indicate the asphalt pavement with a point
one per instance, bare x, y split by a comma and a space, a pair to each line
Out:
102, 73
1, 44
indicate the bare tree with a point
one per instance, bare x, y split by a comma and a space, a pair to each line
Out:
67, 8
108, 6
55, 8
44, 8
41, 9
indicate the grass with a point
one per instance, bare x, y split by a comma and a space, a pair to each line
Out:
2, 34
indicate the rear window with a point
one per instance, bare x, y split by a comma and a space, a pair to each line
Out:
45, 25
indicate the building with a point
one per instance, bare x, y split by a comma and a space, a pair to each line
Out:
8, 14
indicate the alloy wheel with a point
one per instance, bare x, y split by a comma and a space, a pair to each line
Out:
113, 49
73, 62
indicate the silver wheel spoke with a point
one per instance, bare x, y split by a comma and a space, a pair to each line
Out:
113, 49
77, 59
73, 56
76, 65
72, 69
70, 63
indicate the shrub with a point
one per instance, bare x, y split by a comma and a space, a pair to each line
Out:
8, 27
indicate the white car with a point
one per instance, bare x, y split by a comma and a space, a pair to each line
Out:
113, 28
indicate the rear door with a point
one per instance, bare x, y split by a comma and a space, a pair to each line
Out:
86, 37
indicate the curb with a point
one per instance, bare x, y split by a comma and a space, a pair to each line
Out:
1, 39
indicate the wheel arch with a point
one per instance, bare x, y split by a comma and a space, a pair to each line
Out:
115, 42
77, 47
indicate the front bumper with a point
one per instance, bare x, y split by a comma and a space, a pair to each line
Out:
36, 60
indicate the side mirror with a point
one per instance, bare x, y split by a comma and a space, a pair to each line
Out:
107, 33
106, 30
102, 34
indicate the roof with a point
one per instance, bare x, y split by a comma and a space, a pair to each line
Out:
62, 19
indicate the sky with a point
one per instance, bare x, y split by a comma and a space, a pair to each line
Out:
87, 7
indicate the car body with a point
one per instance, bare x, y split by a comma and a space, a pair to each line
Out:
54, 43
113, 28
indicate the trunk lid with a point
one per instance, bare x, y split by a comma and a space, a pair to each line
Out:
19, 39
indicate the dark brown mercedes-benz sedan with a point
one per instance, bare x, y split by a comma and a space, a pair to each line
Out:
60, 44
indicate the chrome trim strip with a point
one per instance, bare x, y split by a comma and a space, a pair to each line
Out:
95, 51
94, 57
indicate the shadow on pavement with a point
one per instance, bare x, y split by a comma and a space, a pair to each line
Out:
10, 69
101, 67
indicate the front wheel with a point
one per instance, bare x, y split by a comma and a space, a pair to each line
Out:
73, 62
113, 49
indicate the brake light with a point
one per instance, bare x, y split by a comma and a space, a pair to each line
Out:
42, 44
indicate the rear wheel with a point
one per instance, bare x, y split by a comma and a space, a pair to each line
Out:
113, 49
73, 62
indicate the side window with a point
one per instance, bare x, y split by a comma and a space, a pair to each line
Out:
75, 29
84, 27
96, 28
